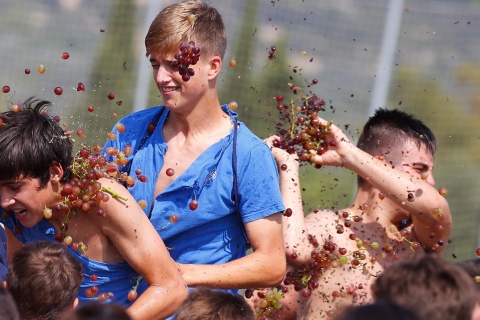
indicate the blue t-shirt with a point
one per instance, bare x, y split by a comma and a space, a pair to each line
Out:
214, 232
118, 278
3, 254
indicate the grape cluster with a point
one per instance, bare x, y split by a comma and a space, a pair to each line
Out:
269, 303
188, 55
299, 125
83, 192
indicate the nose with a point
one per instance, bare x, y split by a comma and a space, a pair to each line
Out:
430, 179
162, 74
6, 199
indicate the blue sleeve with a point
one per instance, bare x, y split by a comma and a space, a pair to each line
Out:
258, 184
3, 254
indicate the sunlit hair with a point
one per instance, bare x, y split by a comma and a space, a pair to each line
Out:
389, 130
430, 286
31, 142
44, 278
204, 303
172, 26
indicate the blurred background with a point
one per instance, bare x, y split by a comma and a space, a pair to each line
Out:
419, 56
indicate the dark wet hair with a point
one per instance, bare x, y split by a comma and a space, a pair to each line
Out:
390, 129
31, 141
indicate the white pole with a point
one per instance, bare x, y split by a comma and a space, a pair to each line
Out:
387, 55
144, 75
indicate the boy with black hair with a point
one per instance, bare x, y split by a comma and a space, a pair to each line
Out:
114, 240
396, 210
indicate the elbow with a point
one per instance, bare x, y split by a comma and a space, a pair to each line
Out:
276, 274
278, 279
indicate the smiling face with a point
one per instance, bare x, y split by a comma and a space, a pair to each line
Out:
178, 94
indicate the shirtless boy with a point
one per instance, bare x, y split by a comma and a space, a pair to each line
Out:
396, 211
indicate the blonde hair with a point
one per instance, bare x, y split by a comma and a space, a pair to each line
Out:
186, 21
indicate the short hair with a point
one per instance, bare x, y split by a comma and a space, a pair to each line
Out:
44, 279
378, 310
100, 311
174, 25
9, 309
388, 129
430, 286
203, 304
472, 267
31, 142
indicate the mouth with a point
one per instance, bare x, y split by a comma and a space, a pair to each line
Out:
169, 89
20, 213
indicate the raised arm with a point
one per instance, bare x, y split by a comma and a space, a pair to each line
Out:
264, 267
403, 184
129, 229
293, 221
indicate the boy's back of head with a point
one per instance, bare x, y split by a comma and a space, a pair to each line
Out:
429, 286
99, 311
43, 279
203, 304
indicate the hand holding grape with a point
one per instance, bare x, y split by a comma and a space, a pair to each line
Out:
339, 147
283, 158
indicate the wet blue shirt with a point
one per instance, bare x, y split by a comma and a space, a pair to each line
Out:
118, 278
214, 232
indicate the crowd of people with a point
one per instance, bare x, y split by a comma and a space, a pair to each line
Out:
91, 245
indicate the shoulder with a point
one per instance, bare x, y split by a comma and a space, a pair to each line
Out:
142, 116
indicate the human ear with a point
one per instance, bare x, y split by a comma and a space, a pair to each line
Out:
56, 172
75, 304
215, 65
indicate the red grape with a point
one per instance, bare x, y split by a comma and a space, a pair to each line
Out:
58, 91
132, 295
193, 205
5, 89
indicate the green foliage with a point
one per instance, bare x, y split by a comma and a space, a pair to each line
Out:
119, 35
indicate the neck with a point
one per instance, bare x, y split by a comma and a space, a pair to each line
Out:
373, 207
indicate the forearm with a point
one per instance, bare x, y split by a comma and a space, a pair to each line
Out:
294, 229
411, 193
252, 271
158, 302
